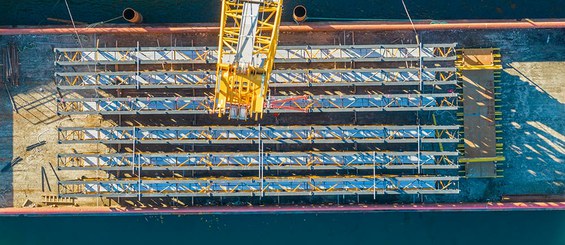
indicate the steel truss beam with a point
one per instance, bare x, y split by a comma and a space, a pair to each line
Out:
296, 186
284, 54
276, 104
279, 78
268, 135
250, 161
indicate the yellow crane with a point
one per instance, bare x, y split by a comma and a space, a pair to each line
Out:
249, 32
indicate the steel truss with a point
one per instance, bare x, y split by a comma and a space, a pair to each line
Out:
296, 186
279, 78
251, 160
284, 54
268, 135
275, 104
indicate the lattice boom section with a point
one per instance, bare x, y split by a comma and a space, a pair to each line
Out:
366, 53
255, 187
246, 135
386, 102
250, 161
284, 54
110, 80
360, 77
279, 78
133, 55
276, 104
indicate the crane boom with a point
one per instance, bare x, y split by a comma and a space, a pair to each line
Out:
249, 32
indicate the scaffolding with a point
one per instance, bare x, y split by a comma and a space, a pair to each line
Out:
284, 54
279, 78
275, 104
268, 134
240, 187
240, 161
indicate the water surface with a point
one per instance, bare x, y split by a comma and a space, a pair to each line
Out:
518, 227
34, 12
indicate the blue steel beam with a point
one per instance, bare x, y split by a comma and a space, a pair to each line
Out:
279, 78
251, 160
296, 186
275, 104
267, 134
284, 54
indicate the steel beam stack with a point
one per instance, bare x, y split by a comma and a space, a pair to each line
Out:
296, 186
250, 161
414, 155
276, 104
279, 78
284, 54
266, 134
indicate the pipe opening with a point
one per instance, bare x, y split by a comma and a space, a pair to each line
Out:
299, 13
132, 16
128, 14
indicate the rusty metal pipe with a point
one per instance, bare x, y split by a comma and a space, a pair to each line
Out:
132, 16
292, 27
299, 14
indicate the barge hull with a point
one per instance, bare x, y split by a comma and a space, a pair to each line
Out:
497, 206
310, 27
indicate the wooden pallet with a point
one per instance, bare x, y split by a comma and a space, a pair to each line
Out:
56, 200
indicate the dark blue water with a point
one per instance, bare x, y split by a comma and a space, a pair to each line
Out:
547, 228
34, 12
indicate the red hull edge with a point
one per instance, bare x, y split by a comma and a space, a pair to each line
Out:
78, 211
291, 27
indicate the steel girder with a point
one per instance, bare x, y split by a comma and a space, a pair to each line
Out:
284, 54
275, 104
252, 160
267, 134
296, 186
279, 78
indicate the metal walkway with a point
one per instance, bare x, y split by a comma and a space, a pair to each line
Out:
267, 134
252, 161
284, 54
275, 104
279, 78
296, 186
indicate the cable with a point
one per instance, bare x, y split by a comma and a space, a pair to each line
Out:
75, 29
103, 22
412, 23
73, 22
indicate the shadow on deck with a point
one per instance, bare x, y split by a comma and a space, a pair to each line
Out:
6, 149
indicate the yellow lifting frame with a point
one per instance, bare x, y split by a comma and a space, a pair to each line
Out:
246, 89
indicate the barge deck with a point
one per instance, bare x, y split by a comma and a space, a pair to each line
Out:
358, 117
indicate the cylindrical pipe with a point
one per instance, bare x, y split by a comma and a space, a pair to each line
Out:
132, 16
299, 13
